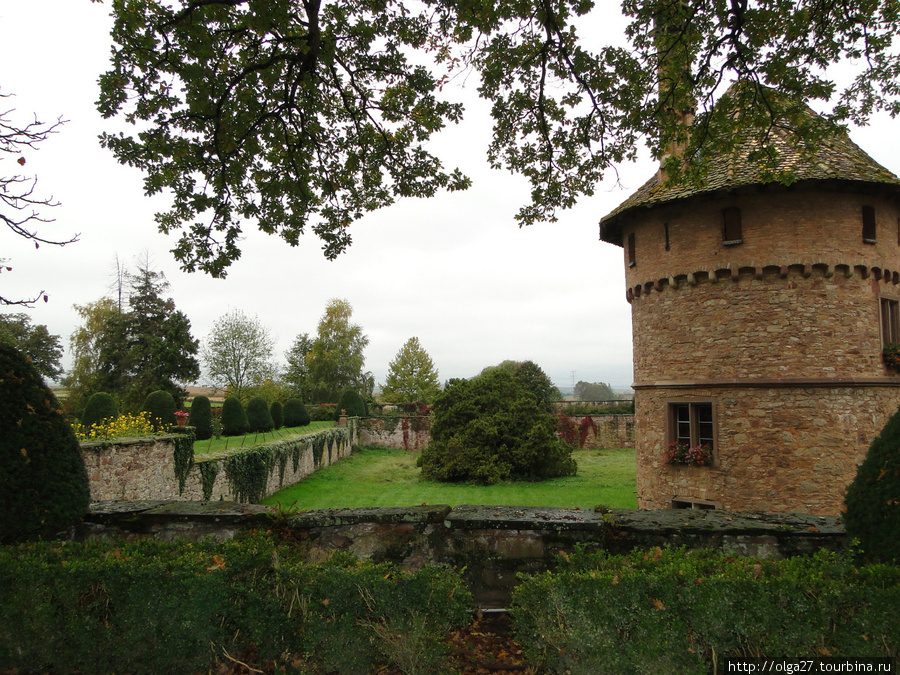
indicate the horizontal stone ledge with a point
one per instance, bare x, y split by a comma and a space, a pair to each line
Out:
709, 521
152, 509
773, 383
523, 518
473, 517
379, 516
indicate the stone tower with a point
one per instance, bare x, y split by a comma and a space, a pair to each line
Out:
760, 314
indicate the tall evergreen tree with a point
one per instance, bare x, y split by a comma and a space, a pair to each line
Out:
411, 377
162, 351
133, 353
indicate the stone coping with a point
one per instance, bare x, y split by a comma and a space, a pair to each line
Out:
380, 516
471, 517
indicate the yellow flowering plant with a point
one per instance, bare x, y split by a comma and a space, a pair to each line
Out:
121, 426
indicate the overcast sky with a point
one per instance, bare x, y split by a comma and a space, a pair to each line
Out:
454, 270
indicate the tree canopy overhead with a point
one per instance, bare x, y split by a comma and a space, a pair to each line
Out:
299, 116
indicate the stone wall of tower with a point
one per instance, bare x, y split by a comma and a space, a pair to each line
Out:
781, 227
779, 450
781, 334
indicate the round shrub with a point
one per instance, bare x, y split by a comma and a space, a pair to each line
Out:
277, 412
234, 418
201, 418
351, 404
491, 429
259, 419
100, 406
43, 482
873, 498
160, 408
295, 413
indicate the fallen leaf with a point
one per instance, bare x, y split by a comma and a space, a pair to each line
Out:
218, 563
658, 604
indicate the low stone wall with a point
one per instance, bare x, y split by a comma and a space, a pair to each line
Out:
493, 544
607, 431
414, 432
406, 432
145, 468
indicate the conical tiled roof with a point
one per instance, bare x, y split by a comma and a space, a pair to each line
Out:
836, 158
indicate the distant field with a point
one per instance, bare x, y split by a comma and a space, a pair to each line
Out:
383, 477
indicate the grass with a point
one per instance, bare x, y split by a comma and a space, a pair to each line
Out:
385, 477
218, 445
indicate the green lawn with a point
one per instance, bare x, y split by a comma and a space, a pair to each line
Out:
216, 445
383, 477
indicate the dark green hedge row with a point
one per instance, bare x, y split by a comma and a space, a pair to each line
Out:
153, 607
676, 612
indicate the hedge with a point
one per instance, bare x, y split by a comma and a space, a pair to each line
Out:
154, 607
676, 611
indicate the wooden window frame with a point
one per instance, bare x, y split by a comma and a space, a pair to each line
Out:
889, 314
695, 434
869, 225
732, 226
679, 502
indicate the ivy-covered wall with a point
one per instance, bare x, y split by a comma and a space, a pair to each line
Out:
164, 467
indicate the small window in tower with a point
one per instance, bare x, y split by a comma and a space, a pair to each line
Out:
669, 248
898, 231
890, 321
731, 226
631, 255
868, 218
689, 503
692, 434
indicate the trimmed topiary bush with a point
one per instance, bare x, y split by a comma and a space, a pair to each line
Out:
43, 482
277, 412
234, 418
160, 408
295, 413
100, 406
351, 404
873, 498
259, 419
201, 418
